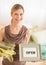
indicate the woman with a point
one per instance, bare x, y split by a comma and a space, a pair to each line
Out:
15, 33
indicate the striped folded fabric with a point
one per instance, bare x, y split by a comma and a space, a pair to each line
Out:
6, 51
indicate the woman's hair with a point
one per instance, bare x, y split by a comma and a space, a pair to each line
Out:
16, 7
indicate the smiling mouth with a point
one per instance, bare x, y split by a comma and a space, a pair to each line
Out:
17, 19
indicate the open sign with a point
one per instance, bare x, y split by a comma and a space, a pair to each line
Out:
29, 52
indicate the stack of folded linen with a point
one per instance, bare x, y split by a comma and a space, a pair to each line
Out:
6, 51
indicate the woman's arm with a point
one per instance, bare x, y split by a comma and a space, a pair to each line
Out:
1, 33
28, 34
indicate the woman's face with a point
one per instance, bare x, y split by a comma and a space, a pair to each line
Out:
17, 15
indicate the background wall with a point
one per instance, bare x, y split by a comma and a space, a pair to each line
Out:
35, 12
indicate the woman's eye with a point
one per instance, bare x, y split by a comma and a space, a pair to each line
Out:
15, 14
21, 14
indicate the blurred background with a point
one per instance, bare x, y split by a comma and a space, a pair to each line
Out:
35, 12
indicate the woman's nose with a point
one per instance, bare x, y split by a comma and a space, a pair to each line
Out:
18, 16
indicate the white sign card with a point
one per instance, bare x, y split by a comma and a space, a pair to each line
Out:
29, 52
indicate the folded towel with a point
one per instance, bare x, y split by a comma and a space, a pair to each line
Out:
7, 50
